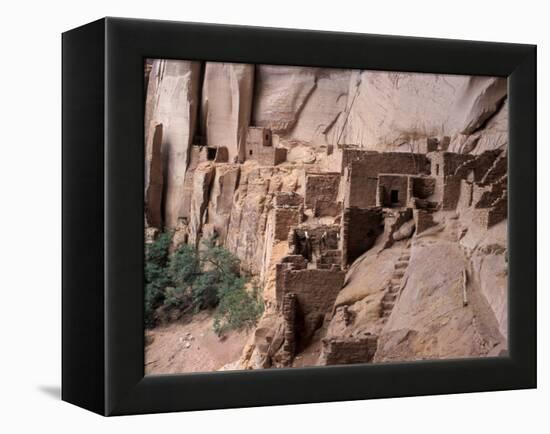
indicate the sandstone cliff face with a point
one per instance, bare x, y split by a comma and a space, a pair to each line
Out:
309, 108
172, 100
397, 110
391, 302
300, 103
226, 105
247, 233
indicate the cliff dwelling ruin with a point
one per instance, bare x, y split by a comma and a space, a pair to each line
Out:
365, 225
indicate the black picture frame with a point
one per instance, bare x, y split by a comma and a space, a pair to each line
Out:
103, 154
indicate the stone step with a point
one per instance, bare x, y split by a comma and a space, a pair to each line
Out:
389, 296
398, 273
401, 265
386, 313
395, 281
387, 305
394, 290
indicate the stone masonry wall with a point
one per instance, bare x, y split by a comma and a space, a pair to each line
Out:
311, 241
363, 174
289, 318
285, 219
360, 228
288, 199
315, 290
348, 350
322, 193
388, 183
296, 262
422, 186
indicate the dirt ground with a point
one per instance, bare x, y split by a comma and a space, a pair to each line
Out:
190, 345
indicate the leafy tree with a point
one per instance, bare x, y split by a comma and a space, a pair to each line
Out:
237, 308
157, 277
204, 278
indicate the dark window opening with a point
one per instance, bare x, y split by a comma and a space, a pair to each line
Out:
437, 169
250, 152
267, 136
394, 196
211, 153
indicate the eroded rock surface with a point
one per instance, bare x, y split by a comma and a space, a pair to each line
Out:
377, 234
172, 100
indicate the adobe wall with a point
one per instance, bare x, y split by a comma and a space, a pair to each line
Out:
265, 155
289, 262
329, 258
259, 147
322, 193
353, 154
343, 351
319, 239
487, 217
280, 156
285, 218
360, 228
288, 199
315, 290
422, 186
362, 174
289, 319
423, 220
466, 191
389, 182
497, 170
451, 192
259, 135
430, 144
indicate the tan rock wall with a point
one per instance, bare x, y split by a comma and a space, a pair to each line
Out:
173, 100
226, 105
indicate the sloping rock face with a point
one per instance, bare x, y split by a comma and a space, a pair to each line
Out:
387, 113
172, 100
460, 311
301, 103
226, 105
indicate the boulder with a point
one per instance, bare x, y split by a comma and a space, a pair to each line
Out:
405, 231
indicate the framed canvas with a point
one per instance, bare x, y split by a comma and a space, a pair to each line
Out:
257, 216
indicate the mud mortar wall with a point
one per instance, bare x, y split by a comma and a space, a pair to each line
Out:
360, 228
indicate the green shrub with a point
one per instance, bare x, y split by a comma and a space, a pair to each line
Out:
237, 308
204, 278
157, 277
